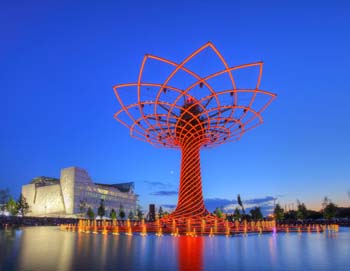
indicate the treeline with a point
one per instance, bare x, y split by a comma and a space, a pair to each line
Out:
329, 211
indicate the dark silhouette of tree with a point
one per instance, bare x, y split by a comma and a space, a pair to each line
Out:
160, 212
139, 213
330, 210
278, 212
90, 213
325, 202
113, 214
311, 214
301, 210
101, 210
256, 213
343, 212
240, 203
22, 205
121, 212
291, 214
237, 214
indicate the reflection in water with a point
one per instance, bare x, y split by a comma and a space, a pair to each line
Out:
40, 249
272, 248
48, 248
190, 253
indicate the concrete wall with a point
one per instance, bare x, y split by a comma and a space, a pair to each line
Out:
44, 200
67, 186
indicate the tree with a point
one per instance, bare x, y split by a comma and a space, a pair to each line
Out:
330, 210
218, 212
240, 203
22, 205
237, 214
301, 210
4, 198
101, 210
314, 214
113, 214
160, 212
278, 212
139, 213
256, 213
325, 202
11, 206
291, 214
121, 212
131, 215
90, 213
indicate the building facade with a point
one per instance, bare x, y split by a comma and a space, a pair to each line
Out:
74, 193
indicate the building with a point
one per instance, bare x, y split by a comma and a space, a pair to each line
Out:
74, 193
152, 212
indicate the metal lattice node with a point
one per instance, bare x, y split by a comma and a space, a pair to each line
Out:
191, 118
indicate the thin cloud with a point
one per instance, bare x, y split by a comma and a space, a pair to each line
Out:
265, 203
159, 185
164, 193
258, 201
211, 204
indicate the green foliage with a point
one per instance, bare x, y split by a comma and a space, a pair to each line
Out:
121, 212
139, 213
256, 213
160, 212
237, 214
218, 212
278, 212
113, 214
131, 215
240, 203
11, 206
301, 210
330, 210
101, 211
22, 205
90, 213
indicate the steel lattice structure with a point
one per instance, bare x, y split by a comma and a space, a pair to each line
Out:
191, 118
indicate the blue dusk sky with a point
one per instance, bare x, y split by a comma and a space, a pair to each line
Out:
60, 59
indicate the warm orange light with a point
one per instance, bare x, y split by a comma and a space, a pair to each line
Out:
188, 122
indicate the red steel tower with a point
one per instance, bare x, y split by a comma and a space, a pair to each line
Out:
193, 113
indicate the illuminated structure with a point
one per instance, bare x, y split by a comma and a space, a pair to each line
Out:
191, 113
74, 193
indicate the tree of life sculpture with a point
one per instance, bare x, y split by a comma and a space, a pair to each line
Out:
202, 114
